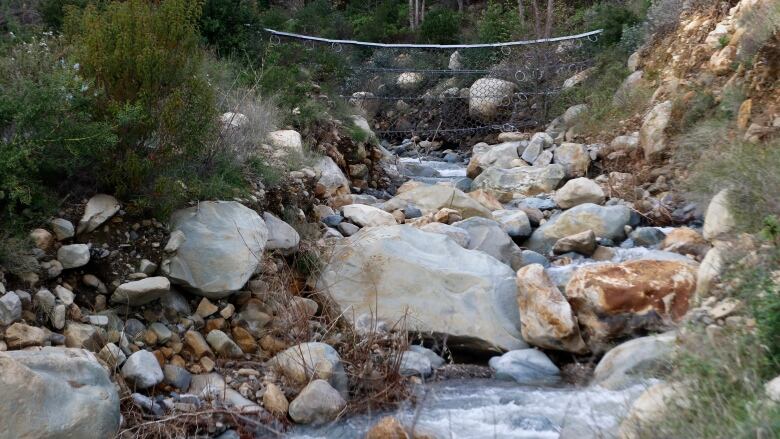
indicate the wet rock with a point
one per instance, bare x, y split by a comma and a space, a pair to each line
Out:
56, 393
318, 403
368, 216
142, 370
605, 221
432, 198
141, 291
223, 243
73, 255
99, 209
633, 360
547, 320
500, 155
387, 428
646, 236
616, 299
415, 363
506, 184
435, 360
528, 257
579, 191
525, 366
583, 243
443, 287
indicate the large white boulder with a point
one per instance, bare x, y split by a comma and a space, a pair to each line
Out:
401, 272
488, 95
719, 219
286, 141
605, 221
332, 181
579, 191
520, 182
652, 136
222, 246
281, 236
53, 393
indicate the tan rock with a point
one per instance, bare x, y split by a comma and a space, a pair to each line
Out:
486, 199
447, 216
685, 241
206, 308
652, 136
650, 409
431, 198
583, 243
612, 300
274, 400
546, 318
19, 336
42, 239
197, 344
387, 428
244, 340
743, 117
719, 220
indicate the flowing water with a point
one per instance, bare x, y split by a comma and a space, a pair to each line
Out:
488, 408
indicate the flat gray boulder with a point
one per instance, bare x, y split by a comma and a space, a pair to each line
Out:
521, 182
427, 278
605, 221
525, 366
488, 236
53, 393
222, 244
281, 236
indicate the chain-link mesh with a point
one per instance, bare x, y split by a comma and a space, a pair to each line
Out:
452, 91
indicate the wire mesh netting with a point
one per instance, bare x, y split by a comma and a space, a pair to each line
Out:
452, 91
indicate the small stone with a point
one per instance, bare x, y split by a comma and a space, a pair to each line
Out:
64, 294
63, 229
177, 376
274, 400
112, 355
142, 291
142, 369
79, 335
348, 229
415, 363
647, 236
147, 267
583, 243
161, 331
206, 308
176, 239
207, 363
45, 300
197, 344
42, 239
223, 345
318, 403
244, 340
525, 366
98, 210
19, 336
98, 320
10, 309
725, 308
73, 255
58, 316
227, 311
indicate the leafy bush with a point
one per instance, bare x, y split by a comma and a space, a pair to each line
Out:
48, 132
441, 26
499, 22
232, 26
612, 18
53, 11
147, 62
386, 21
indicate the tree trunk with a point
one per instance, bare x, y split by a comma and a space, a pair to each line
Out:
548, 23
411, 14
460, 5
521, 11
422, 11
537, 19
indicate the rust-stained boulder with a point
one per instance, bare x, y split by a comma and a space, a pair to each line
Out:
685, 241
546, 319
614, 300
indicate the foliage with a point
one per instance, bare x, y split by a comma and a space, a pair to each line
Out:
499, 22
53, 11
612, 18
724, 375
385, 21
441, 26
232, 26
16, 254
48, 132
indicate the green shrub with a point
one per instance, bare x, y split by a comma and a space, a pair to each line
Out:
612, 18
232, 26
386, 21
53, 11
441, 26
499, 22
48, 132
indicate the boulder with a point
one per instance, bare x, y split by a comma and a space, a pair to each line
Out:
318, 403
718, 220
142, 370
400, 272
633, 360
617, 299
650, 409
223, 345
332, 182
63, 229
583, 243
303, 362
274, 400
488, 95
10, 309
646, 236
435, 360
652, 136
459, 235
368, 216
286, 141
432, 198
415, 363
56, 393
574, 158
605, 221
710, 269
98, 210
685, 241
539, 142
281, 236
506, 184
547, 320
409, 80
19, 336
579, 191
514, 222
486, 199
223, 244
525, 366
142, 291
73, 255
488, 236
500, 155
